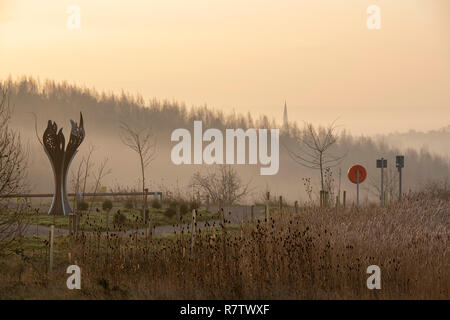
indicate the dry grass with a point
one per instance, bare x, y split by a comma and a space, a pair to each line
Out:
312, 255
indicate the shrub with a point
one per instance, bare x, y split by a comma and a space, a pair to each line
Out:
146, 211
119, 218
104, 283
193, 205
173, 203
438, 189
129, 204
82, 205
107, 205
156, 204
170, 212
183, 209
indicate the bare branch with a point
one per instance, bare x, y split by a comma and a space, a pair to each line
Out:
314, 148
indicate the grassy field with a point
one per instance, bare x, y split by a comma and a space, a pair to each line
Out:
96, 221
317, 254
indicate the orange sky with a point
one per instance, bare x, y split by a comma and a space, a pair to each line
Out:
248, 55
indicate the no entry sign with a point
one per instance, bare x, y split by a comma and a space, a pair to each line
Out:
353, 173
357, 174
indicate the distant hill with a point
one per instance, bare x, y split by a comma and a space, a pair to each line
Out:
103, 113
446, 129
434, 141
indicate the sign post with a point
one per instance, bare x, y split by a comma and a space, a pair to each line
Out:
400, 163
357, 174
382, 163
357, 188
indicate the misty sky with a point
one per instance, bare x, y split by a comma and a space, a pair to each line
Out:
247, 55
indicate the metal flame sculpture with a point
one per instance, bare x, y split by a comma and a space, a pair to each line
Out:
60, 158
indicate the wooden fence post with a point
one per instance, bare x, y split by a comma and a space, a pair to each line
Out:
321, 198
337, 204
252, 214
150, 228
107, 219
193, 227
76, 223
70, 221
296, 206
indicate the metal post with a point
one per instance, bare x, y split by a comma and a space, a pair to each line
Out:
357, 188
400, 163
382, 182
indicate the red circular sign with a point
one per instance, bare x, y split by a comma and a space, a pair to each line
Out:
352, 173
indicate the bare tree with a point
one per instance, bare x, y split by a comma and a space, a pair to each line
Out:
76, 180
87, 166
79, 179
143, 143
314, 149
13, 165
102, 172
13, 156
222, 185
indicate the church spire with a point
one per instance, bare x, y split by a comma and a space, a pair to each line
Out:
285, 117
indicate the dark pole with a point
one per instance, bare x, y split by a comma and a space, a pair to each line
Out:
400, 163
382, 183
357, 188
